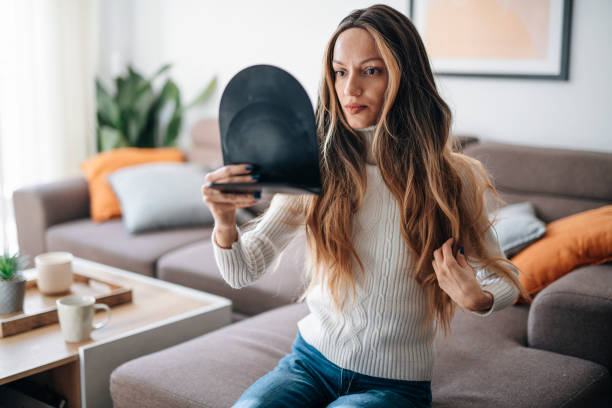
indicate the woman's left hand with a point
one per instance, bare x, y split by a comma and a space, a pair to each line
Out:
458, 279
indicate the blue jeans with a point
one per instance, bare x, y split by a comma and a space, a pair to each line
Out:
305, 378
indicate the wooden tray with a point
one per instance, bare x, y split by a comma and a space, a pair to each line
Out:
40, 310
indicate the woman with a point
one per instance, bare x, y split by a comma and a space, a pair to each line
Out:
396, 203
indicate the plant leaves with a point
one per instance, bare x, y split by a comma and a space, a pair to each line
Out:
140, 115
173, 129
109, 138
130, 129
108, 111
160, 71
137, 115
12, 265
150, 134
130, 90
204, 96
170, 101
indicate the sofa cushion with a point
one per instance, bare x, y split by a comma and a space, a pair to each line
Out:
158, 196
517, 227
110, 244
104, 203
569, 243
194, 266
483, 363
211, 370
572, 316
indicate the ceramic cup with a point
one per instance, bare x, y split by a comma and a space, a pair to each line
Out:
76, 317
54, 272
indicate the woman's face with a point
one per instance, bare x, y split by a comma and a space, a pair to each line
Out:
360, 77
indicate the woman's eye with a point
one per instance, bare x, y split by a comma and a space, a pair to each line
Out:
368, 71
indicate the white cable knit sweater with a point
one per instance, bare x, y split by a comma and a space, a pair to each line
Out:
385, 333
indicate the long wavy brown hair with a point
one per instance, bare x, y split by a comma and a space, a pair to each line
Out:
440, 193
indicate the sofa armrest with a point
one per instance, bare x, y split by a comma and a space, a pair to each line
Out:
41, 206
573, 315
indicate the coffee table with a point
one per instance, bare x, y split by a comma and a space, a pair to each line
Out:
160, 315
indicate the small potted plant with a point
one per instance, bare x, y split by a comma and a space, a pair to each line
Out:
12, 283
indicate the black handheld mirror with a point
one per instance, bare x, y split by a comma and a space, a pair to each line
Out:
266, 119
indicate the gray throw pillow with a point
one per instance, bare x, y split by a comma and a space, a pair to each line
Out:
517, 227
161, 195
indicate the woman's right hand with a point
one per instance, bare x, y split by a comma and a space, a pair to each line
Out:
223, 205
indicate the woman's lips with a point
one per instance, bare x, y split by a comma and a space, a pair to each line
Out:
355, 109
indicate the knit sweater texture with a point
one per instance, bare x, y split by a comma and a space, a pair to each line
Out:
384, 332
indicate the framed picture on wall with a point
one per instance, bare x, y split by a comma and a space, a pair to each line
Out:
496, 38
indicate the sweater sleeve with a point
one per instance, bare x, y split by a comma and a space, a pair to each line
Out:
256, 249
504, 291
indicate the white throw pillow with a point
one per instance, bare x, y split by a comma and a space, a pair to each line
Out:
161, 195
517, 227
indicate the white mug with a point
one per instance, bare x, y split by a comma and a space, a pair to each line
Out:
76, 317
54, 272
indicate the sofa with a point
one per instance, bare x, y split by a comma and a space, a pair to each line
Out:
56, 217
555, 352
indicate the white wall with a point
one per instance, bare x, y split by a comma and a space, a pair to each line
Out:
206, 38
572, 114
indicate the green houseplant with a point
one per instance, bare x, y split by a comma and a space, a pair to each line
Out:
12, 283
137, 115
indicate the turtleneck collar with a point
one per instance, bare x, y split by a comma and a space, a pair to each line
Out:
368, 134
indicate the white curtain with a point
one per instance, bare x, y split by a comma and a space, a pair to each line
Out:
48, 62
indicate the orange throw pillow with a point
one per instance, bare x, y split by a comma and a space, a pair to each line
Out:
569, 243
104, 203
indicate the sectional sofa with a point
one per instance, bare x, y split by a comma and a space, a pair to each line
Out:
555, 352
56, 217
